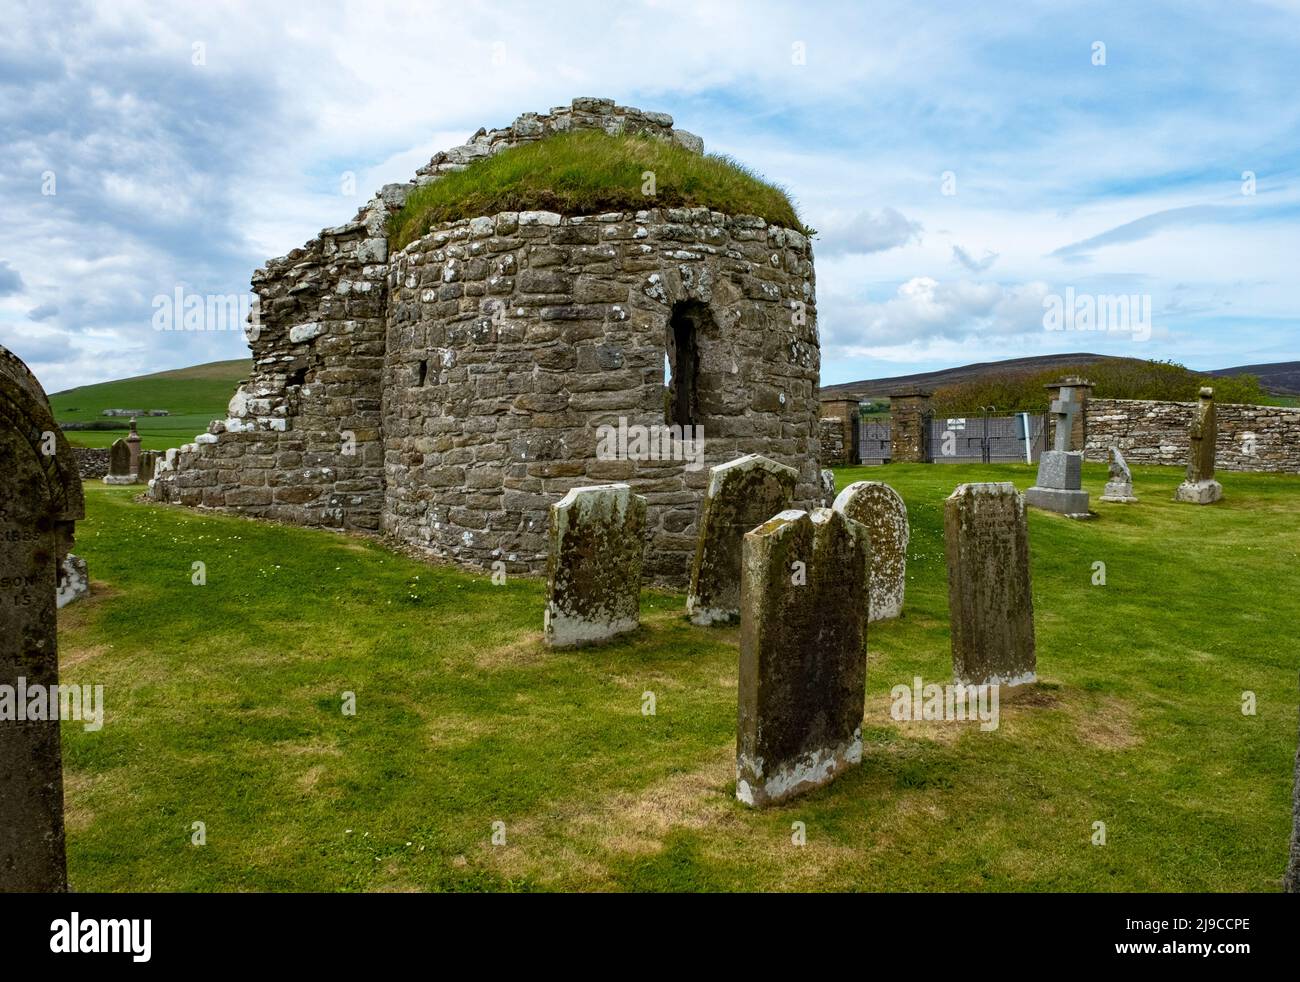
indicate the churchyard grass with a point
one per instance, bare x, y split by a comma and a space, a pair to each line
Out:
223, 706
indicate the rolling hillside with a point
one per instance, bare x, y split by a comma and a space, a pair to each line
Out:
192, 396
1281, 379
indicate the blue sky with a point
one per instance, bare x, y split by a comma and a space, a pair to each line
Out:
1117, 178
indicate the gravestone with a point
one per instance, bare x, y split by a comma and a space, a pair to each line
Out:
74, 581
1291, 881
133, 449
990, 604
40, 502
1200, 487
880, 508
741, 494
803, 660
828, 486
119, 464
148, 466
1059, 487
1120, 486
593, 582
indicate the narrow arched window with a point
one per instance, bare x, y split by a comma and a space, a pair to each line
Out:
685, 326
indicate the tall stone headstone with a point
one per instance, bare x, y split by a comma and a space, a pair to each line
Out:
1291, 881
1059, 487
593, 583
741, 495
1119, 488
133, 450
148, 466
119, 464
1200, 487
803, 659
990, 603
40, 503
881, 510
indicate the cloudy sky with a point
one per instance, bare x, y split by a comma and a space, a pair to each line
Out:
963, 162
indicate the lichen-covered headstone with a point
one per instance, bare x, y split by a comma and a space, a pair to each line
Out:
1119, 488
990, 604
593, 583
881, 509
803, 657
1200, 487
40, 502
741, 495
828, 486
148, 465
119, 464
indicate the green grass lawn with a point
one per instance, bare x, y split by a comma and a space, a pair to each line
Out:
224, 706
193, 396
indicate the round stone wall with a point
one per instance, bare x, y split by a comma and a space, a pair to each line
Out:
512, 339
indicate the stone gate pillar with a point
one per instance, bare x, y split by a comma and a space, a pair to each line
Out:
40, 502
849, 412
907, 414
1079, 425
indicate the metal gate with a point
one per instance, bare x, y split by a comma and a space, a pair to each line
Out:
873, 442
1017, 438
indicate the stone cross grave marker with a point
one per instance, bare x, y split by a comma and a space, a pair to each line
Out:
741, 494
1059, 486
990, 603
881, 510
40, 502
593, 582
803, 659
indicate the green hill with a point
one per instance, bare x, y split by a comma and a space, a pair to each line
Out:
192, 396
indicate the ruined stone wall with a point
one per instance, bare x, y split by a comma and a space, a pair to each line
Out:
1250, 438
301, 442
512, 338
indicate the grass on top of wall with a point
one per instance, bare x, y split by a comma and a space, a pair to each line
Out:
588, 172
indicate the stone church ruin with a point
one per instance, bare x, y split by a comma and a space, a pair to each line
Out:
449, 393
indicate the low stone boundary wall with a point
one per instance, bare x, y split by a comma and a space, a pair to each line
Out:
1250, 438
91, 461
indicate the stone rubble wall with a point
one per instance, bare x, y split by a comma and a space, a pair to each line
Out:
1154, 432
534, 330
834, 446
92, 462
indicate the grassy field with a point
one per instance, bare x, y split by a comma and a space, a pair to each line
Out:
224, 706
585, 173
193, 396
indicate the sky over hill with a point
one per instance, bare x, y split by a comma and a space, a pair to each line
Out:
962, 165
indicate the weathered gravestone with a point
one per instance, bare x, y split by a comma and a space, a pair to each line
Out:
881, 509
1200, 487
803, 660
741, 494
1119, 488
1291, 881
74, 580
593, 583
990, 604
40, 502
119, 464
828, 486
1059, 487
148, 465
